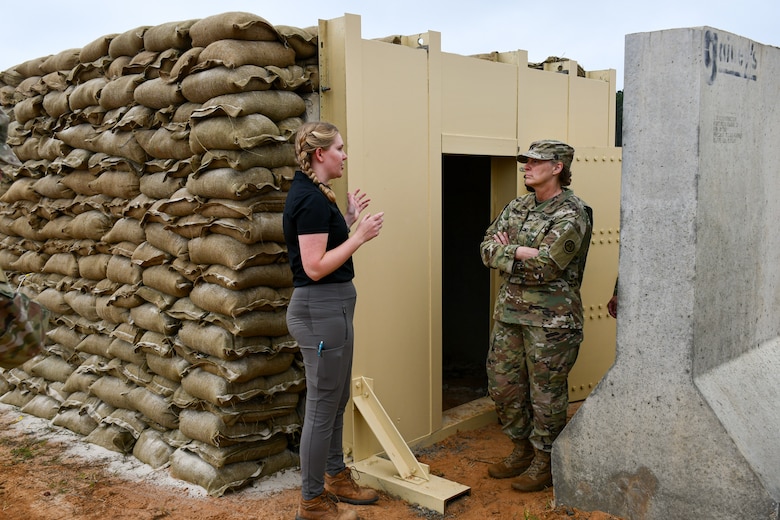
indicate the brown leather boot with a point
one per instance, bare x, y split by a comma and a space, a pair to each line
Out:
322, 507
538, 475
517, 461
347, 490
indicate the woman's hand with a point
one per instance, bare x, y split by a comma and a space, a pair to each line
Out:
369, 227
522, 252
356, 203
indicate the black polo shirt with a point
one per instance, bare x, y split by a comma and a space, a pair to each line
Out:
308, 211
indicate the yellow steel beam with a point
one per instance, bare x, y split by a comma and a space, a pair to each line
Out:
402, 475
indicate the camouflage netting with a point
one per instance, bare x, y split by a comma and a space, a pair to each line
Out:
146, 217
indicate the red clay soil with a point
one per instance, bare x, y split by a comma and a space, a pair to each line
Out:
41, 479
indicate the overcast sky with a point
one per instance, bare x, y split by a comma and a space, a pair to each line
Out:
592, 32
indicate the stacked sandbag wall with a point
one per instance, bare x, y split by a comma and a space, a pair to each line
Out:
146, 217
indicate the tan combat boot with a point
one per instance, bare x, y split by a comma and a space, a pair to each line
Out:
322, 507
347, 490
538, 476
517, 461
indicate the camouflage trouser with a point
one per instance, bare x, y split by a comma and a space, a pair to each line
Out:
528, 369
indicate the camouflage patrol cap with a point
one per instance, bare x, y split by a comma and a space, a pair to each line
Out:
7, 155
549, 150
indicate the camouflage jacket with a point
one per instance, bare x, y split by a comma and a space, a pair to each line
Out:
543, 291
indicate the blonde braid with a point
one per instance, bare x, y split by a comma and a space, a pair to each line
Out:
310, 136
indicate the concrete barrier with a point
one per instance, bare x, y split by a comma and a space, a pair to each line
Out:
686, 424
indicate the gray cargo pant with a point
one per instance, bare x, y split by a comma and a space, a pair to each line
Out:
319, 317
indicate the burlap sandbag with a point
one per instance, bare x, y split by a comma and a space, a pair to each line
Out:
149, 317
215, 341
42, 406
205, 427
52, 368
248, 367
136, 117
260, 227
128, 43
21, 189
235, 53
122, 270
112, 438
83, 304
228, 133
272, 275
111, 313
28, 226
155, 343
30, 262
166, 280
215, 298
51, 148
75, 421
151, 449
157, 298
227, 183
293, 77
165, 144
95, 344
54, 300
199, 87
127, 352
170, 368
166, 240
96, 49
260, 408
183, 66
255, 323
190, 226
90, 224
268, 156
302, 40
125, 229
121, 184
231, 25
181, 203
65, 264
56, 103
218, 481
113, 391
120, 91
64, 336
274, 104
227, 251
157, 94
243, 452
32, 107
86, 94
154, 407
57, 228
78, 181
120, 143
93, 267
51, 186
147, 255
62, 61
171, 35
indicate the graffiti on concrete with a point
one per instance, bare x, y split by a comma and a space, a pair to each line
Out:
734, 57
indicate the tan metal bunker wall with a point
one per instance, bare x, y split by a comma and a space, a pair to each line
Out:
400, 109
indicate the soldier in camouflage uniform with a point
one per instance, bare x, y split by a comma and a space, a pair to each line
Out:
539, 244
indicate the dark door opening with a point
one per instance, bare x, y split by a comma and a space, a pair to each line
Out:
466, 304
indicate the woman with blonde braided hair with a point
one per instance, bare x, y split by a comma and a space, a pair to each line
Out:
320, 313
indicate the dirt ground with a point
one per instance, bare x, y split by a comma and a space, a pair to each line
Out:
47, 475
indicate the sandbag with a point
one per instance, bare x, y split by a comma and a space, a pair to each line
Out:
231, 25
